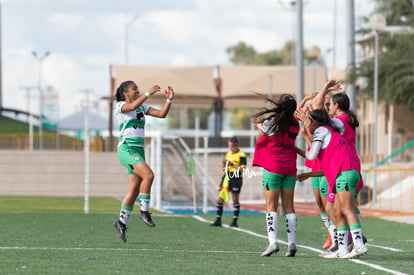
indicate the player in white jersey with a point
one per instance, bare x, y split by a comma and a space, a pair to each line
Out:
130, 113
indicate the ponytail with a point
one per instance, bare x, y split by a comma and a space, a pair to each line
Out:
121, 89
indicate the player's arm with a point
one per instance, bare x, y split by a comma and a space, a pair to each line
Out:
304, 176
166, 108
127, 107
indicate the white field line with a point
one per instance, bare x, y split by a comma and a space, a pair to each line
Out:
122, 249
374, 266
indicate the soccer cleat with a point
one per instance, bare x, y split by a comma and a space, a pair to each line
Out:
217, 222
273, 248
334, 247
291, 252
364, 239
356, 252
234, 223
121, 229
146, 217
328, 242
335, 255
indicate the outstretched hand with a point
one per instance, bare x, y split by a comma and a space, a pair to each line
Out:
333, 85
169, 93
301, 114
154, 89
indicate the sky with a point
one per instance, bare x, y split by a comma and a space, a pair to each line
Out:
85, 36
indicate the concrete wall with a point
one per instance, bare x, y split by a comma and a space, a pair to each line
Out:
57, 173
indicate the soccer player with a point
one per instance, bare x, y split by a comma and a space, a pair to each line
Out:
130, 113
233, 164
341, 167
275, 152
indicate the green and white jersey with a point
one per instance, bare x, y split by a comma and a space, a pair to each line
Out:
131, 124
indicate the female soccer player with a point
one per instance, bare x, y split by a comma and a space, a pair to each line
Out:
275, 152
130, 113
341, 168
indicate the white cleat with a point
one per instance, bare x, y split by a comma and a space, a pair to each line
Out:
273, 248
356, 252
335, 255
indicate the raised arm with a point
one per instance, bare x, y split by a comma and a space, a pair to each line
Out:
319, 100
127, 107
169, 94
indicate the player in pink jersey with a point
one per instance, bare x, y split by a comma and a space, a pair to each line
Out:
347, 121
319, 184
275, 152
341, 168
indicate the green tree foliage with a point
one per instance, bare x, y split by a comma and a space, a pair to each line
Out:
396, 57
239, 118
243, 54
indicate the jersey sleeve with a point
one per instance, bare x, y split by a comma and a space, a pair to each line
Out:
338, 123
266, 126
243, 160
118, 106
146, 108
317, 141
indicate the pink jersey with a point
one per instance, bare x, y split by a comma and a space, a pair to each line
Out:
350, 136
337, 157
276, 152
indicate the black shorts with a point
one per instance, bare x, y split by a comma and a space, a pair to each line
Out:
235, 183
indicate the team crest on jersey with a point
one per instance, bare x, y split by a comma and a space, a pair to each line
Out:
136, 157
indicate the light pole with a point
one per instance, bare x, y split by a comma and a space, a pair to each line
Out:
127, 24
40, 61
377, 23
29, 115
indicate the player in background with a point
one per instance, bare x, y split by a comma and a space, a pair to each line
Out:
275, 152
130, 113
233, 164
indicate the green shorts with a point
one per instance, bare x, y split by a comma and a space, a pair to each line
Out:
272, 181
130, 155
347, 180
323, 186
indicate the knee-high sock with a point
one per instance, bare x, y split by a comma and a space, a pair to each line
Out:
271, 223
236, 211
219, 211
291, 222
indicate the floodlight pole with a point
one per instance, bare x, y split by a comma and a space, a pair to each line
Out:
40, 60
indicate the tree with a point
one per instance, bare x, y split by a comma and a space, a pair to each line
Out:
243, 54
396, 73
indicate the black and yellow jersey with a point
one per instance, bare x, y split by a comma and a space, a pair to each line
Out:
235, 159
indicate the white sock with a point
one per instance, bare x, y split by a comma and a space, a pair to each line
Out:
332, 232
325, 220
357, 237
124, 215
145, 200
343, 241
271, 223
291, 222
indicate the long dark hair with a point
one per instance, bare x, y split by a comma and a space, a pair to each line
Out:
283, 110
321, 116
121, 89
342, 100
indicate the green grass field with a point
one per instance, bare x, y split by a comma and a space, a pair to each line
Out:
53, 236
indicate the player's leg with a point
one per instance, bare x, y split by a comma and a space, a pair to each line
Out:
145, 172
287, 192
235, 188
271, 186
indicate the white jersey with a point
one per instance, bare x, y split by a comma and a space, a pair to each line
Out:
131, 124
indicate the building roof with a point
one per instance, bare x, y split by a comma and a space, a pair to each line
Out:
195, 86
